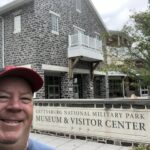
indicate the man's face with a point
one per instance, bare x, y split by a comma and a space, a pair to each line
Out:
16, 110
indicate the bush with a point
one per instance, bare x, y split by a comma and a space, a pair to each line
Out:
142, 147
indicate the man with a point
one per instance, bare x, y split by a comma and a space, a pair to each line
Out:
17, 86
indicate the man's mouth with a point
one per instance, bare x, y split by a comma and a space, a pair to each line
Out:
10, 122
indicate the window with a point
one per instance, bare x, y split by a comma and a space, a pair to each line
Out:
55, 26
115, 88
52, 87
98, 87
55, 22
17, 24
78, 6
78, 30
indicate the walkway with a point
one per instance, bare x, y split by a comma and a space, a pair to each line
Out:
62, 143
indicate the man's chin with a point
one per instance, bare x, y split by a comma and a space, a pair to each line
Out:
8, 141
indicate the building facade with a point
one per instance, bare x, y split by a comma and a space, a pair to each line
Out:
61, 39
121, 85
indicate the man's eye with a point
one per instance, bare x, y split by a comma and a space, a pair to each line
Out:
26, 100
4, 97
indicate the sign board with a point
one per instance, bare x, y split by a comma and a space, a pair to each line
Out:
121, 124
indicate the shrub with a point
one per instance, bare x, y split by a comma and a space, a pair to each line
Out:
142, 147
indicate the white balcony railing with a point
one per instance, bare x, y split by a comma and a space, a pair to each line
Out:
84, 40
85, 46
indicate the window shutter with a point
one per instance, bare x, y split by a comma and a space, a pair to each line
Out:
17, 24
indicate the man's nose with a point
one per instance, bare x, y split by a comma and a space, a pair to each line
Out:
14, 104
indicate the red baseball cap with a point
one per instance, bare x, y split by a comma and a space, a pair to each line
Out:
32, 77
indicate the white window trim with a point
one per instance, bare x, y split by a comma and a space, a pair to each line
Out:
58, 15
17, 30
78, 10
55, 32
98, 34
78, 28
51, 12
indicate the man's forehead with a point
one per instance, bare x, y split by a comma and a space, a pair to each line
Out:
13, 82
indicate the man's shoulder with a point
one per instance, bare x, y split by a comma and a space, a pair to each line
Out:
36, 145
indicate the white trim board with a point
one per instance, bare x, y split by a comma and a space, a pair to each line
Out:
66, 69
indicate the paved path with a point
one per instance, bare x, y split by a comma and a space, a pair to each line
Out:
75, 144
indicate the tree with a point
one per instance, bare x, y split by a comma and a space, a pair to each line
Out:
136, 62
139, 53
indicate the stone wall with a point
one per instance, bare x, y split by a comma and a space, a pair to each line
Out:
100, 83
88, 91
66, 86
20, 48
52, 48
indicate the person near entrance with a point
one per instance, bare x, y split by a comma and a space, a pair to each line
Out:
17, 86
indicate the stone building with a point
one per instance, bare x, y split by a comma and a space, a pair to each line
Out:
61, 39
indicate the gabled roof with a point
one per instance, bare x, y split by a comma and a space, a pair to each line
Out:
97, 14
16, 3
12, 5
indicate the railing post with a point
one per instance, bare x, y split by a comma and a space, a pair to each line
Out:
96, 44
88, 41
69, 40
80, 38
100, 46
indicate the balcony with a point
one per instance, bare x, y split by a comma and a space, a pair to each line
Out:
85, 47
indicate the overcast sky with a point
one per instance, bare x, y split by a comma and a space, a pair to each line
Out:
3, 2
114, 13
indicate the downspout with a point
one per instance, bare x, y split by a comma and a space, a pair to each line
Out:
3, 43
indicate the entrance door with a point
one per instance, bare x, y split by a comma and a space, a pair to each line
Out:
75, 91
53, 92
115, 87
52, 87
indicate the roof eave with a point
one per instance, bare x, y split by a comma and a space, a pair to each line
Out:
12, 5
99, 17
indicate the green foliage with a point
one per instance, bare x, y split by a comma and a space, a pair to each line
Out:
141, 49
139, 33
142, 147
142, 21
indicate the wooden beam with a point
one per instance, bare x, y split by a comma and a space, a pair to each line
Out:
75, 62
92, 68
70, 68
72, 63
95, 65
